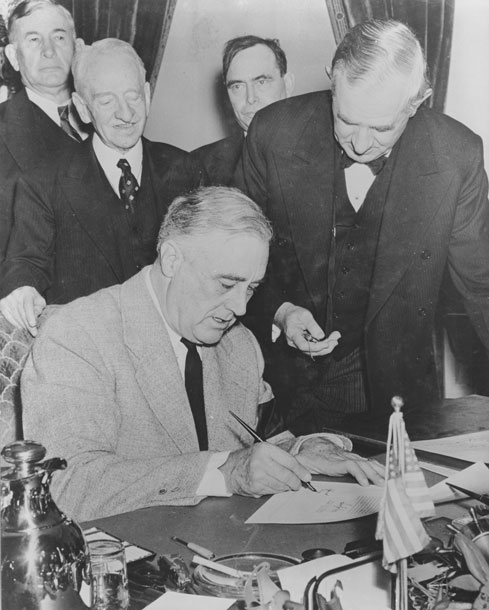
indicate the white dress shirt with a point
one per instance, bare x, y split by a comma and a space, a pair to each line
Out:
109, 157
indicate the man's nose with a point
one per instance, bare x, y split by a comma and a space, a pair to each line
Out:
48, 49
124, 111
361, 140
250, 93
237, 302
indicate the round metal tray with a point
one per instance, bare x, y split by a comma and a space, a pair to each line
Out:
210, 582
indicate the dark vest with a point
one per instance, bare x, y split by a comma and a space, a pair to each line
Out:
352, 257
135, 233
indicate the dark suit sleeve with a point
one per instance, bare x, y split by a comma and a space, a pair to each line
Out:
253, 177
29, 258
468, 254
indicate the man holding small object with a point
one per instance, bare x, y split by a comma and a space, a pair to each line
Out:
373, 198
133, 384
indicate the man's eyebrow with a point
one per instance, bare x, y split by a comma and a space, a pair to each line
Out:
377, 128
229, 83
238, 278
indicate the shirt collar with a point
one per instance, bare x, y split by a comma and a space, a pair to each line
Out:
108, 158
46, 105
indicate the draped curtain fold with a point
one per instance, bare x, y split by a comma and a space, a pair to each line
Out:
145, 24
431, 20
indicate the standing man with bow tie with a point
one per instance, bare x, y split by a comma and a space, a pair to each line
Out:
92, 220
38, 122
360, 252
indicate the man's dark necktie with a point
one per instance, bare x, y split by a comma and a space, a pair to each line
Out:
376, 166
194, 385
66, 126
128, 185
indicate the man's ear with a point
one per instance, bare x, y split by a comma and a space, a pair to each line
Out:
147, 96
11, 54
81, 108
415, 105
289, 80
171, 257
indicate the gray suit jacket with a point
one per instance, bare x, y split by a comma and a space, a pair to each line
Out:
102, 389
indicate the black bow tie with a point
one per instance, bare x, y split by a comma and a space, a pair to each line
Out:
376, 166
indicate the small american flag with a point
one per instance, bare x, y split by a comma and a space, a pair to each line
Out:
406, 497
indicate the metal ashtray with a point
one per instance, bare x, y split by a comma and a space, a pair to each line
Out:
210, 582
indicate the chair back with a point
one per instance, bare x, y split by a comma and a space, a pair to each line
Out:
15, 345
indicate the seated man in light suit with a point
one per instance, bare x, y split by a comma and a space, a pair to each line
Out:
91, 220
254, 72
105, 384
38, 122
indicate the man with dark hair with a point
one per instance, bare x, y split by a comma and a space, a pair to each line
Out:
372, 197
35, 121
91, 220
254, 72
150, 368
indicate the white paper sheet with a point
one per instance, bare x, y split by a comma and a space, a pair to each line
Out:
182, 601
473, 447
365, 587
475, 478
332, 502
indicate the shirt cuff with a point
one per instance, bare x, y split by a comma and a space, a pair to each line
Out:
213, 482
341, 441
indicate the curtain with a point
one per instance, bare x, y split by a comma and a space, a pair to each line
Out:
431, 20
145, 24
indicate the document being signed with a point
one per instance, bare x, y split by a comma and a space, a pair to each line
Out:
332, 502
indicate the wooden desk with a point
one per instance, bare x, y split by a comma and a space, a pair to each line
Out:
219, 524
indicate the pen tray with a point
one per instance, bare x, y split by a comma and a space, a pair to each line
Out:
210, 582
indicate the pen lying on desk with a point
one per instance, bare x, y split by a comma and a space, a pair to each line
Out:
258, 438
196, 548
484, 498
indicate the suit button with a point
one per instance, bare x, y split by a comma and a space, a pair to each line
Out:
281, 242
421, 312
345, 270
425, 255
162, 491
335, 316
340, 294
350, 246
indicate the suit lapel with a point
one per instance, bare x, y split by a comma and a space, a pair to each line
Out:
415, 194
89, 194
21, 127
306, 175
157, 371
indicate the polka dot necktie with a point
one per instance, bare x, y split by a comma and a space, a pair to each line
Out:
128, 185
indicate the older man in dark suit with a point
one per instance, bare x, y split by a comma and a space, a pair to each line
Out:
254, 72
38, 122
372, 198
92, 220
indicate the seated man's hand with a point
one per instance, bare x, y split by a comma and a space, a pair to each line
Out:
263, 469
303, 332
321, 456
22, 307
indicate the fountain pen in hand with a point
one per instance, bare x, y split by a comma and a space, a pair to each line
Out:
258, 438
